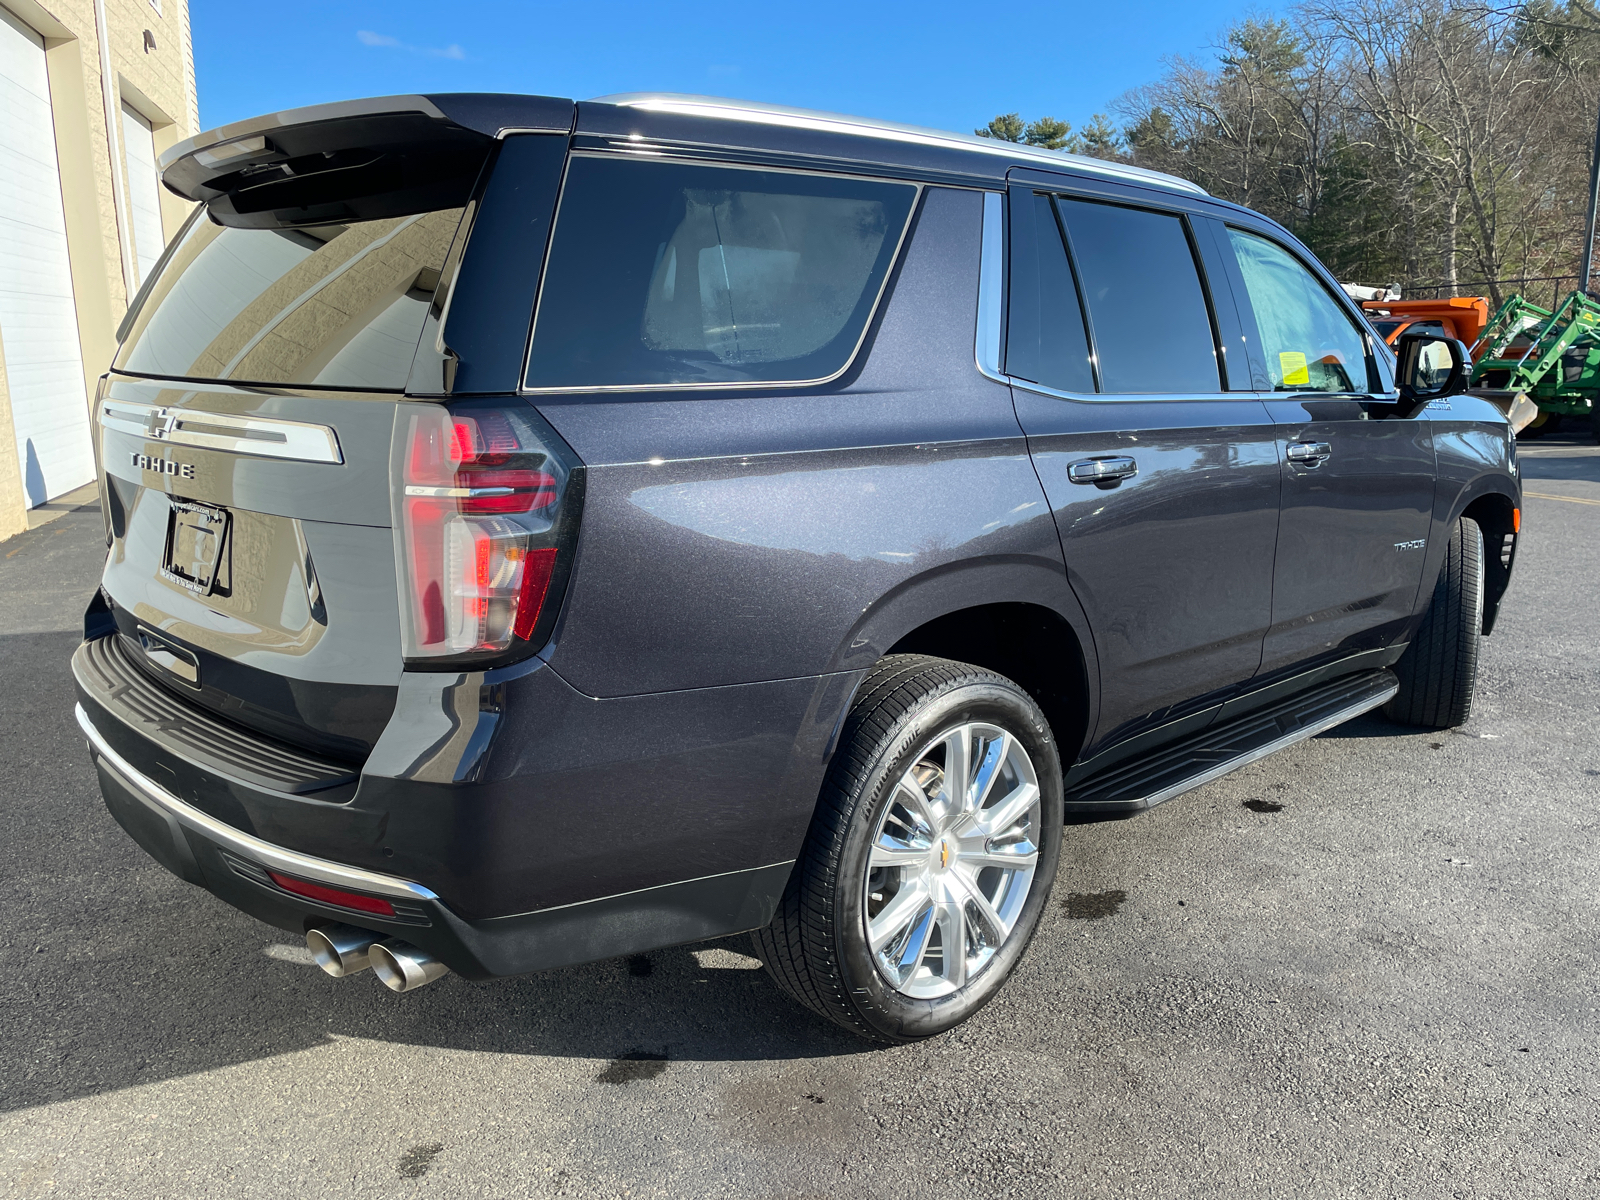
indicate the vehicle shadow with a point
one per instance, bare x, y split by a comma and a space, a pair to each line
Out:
1372, 725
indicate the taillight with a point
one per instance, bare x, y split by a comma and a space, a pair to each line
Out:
486, 505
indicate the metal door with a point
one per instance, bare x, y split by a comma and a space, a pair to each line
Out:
38, 318
1357, 505
1164, 485
1358, 481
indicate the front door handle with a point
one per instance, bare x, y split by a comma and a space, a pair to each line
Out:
1309, 454
1102, 472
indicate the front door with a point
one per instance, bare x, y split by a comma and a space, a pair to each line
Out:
1164, 485
1358, 482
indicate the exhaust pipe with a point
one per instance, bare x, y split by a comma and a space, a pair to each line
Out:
340, 950
404, 968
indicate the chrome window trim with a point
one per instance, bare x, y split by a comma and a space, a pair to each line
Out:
258, 437
918, 190
506, 131
268, 855
991, 288
825, 122
1134, 397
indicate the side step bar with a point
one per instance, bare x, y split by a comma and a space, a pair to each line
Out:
1144, 783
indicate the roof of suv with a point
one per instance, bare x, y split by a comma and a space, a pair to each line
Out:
222, 159
867, 127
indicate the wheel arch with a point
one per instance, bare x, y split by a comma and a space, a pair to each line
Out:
1495, 511
1017, 617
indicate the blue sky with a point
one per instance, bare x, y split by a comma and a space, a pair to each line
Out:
933, 63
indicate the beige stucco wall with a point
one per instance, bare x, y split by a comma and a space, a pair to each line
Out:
159, 83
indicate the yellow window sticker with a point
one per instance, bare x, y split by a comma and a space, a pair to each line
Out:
1293, 365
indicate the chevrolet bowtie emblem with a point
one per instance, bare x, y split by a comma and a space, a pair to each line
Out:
161, 423
944, 855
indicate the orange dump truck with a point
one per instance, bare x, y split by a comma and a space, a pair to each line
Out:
1461, 317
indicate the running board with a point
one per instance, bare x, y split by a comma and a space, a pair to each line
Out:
1145, 782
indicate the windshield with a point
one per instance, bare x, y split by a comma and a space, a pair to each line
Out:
337, 306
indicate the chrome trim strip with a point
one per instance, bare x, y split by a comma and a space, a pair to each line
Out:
259, 437
277, 858
912, 215
991, 287
416, 489
506, 131
1260, 752
825, 122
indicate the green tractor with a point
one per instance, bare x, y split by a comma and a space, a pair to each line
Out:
1552, 358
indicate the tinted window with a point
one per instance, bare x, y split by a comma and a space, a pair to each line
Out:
327, 305
1045, 339
1152, 330
1310, 344
671, 273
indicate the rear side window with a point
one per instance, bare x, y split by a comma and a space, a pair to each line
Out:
1045, 338
666, 273
1310, 343
337, 306
1152, 328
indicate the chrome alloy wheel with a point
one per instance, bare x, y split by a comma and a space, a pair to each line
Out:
952, 860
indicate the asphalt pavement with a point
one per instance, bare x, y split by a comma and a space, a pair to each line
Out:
1365, 967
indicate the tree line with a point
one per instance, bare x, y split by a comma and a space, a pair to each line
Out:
1442, 145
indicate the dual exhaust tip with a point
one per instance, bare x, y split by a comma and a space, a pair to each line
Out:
342, 950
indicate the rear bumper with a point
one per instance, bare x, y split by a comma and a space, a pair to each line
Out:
234, 865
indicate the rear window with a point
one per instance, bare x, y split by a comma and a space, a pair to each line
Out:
338, 306
666, 274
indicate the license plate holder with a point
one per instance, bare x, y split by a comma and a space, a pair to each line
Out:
197, 540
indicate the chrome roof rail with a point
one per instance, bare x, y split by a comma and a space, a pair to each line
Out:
824, 122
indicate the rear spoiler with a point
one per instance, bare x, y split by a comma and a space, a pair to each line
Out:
356, 160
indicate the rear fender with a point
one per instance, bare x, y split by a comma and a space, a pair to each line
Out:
895, 616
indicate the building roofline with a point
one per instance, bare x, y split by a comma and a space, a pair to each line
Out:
826, 122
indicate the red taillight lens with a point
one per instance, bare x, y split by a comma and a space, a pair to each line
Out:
328, 895
480, 516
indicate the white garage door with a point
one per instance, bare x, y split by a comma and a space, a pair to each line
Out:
38, 323
144, 190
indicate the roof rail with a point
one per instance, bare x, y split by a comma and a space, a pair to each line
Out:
825, 122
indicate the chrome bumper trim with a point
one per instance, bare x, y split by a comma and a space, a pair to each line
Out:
291, 862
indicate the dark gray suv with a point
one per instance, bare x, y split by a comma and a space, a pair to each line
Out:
539, 532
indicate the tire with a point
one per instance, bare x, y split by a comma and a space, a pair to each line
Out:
910, 717
1544, 424
1439, 670
1594, 422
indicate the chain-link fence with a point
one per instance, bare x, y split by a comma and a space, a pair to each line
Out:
1547, 290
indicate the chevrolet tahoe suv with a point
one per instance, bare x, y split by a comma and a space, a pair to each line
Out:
543, 531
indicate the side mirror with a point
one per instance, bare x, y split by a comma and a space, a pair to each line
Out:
1430, 368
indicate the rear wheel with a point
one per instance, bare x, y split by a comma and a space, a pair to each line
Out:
1439, 670
930, 857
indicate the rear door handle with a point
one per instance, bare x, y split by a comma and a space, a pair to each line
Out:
1310, 454
1106, 472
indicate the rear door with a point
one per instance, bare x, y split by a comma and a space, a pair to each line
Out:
1358, 482
1164, 484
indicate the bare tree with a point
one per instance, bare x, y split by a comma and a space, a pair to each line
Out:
1438, 142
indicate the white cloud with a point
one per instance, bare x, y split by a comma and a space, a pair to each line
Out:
368, 38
